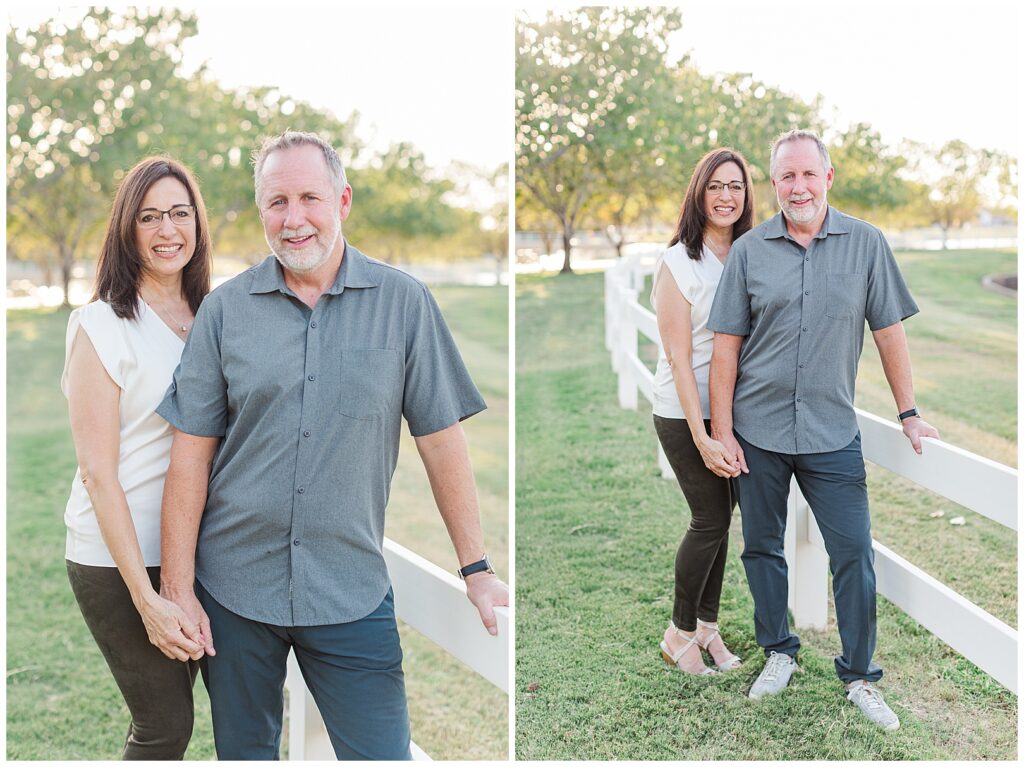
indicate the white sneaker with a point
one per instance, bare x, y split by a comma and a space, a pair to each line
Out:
774, 676
868, 699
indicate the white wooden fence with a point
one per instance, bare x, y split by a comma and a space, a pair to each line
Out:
433, 602
981, 485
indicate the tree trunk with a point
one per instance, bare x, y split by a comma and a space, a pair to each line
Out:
567, 248
548, 240
616, 242
67, 264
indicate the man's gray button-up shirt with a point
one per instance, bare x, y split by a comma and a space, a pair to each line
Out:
802, 313
309, 405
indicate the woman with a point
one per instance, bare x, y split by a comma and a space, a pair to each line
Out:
121, 351
717, 209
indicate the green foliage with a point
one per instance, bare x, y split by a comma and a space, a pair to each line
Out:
867, 174
87, 100
608, 131
589, 89
399, 206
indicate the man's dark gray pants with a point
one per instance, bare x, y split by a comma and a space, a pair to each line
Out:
834, 485
353, 670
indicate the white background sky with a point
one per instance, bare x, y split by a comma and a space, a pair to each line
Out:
442, 77
438, 77
928, 73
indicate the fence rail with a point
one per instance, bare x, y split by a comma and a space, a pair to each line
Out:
977, 483
431, 601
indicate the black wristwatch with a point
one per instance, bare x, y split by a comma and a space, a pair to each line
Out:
908, 414
480, 566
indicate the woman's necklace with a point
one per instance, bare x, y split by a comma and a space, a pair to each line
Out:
720, 256
179, 326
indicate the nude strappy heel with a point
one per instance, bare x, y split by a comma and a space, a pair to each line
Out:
730, 663
672, 658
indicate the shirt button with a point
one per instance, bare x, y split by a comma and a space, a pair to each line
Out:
305, 433
807, 259
798, 399
313, 324
301, 490
807, 292
804, 329
296, 541
311, 378
801, 367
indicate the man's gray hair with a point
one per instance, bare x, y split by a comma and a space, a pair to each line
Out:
796, 135
293, 138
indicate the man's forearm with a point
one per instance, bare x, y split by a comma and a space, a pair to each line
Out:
895, 356
184, 500
446, 460
722, 384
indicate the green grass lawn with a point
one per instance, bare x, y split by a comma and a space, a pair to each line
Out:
597, 529
62, 702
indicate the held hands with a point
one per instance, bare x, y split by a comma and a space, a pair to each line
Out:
169, 628
721, 459
916, 427
487, 591
187, 629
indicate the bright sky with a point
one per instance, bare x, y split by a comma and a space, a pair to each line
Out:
439, 78
442, 77
925, 73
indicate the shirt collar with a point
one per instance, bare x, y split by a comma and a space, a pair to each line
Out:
354, 273
775, 227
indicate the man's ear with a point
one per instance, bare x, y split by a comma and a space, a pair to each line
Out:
345, 205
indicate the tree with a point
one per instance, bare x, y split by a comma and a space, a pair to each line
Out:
89, 98
400, 206
868, 182
585, 81
956, 175
68, 92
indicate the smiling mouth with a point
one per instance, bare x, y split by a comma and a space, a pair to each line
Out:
724, 211
166, 250
298, 241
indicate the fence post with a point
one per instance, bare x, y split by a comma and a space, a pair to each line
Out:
627, 349
807, 562
663, 464
609, 312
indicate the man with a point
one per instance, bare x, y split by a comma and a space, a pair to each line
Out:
789, 327
287, 407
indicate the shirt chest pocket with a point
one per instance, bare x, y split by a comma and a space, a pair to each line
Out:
369, 382
845, 296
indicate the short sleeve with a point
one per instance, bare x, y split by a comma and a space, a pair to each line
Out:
888, 300
438, 389
680, 266
99, 322
196, 402
730, 312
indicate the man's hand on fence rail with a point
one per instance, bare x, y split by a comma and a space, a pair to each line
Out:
916, 427
487, 591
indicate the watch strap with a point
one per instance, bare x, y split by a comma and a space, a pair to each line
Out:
908, 414
481, 565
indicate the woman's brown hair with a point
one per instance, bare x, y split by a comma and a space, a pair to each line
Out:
119, 269
692, 216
